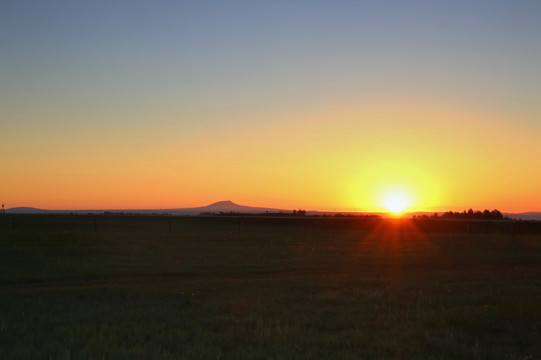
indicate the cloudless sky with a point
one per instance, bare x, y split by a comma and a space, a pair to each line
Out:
292, 104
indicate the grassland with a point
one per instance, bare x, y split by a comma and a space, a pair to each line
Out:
232, 288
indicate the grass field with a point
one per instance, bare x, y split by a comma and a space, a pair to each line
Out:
228, 288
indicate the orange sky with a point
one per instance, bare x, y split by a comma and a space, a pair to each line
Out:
346, 157
286, 105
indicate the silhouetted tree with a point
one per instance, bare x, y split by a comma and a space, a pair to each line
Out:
474, 215
496, 214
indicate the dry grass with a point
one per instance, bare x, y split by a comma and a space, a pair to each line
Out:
271, 291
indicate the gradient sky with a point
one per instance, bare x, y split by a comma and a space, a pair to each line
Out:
292, 104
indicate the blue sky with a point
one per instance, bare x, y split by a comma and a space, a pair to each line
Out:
485, 50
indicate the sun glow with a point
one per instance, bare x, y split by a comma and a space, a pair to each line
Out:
395, 202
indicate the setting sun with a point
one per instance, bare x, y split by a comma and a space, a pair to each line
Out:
395, 202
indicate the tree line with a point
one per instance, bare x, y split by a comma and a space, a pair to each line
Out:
469, 215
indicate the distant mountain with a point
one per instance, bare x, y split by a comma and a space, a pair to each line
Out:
525, 216
225, 207
217, 207
26, 210
31, 210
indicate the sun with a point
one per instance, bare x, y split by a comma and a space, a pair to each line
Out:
395, 202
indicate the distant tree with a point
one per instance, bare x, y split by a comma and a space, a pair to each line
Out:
497, 215
474, 215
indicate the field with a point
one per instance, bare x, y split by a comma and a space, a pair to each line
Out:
120, 287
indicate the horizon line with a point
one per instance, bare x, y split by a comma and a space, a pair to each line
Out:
336, 211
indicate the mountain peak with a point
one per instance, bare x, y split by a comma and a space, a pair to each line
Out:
228, 206
225, 203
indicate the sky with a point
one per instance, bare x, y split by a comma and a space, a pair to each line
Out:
319, 105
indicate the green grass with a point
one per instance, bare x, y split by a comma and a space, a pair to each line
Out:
269, 291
